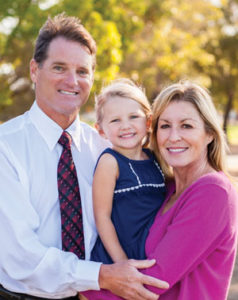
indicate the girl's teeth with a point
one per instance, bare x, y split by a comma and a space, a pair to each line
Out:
127, 135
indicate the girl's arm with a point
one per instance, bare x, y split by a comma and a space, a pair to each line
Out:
103, 188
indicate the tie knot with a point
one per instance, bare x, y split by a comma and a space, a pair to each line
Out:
65, 140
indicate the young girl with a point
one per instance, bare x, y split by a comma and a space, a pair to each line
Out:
128, 186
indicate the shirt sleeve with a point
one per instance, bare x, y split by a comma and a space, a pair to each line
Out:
26, 264
196, 228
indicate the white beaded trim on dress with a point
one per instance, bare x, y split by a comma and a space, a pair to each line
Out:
140, 185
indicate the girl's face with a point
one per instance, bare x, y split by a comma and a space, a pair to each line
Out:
181, 136
124, 123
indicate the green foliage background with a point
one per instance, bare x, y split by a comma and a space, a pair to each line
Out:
153, 42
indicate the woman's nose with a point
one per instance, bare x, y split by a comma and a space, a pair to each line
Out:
174, 135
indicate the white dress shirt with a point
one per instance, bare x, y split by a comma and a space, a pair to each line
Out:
31, 259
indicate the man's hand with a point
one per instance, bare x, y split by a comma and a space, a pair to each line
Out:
81, 297
124, 280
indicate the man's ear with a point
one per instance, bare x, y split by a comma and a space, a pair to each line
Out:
100, 130
33, 70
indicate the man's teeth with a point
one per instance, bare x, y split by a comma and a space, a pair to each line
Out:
68, 93
177, 150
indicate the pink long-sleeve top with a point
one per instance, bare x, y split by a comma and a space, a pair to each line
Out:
194, 242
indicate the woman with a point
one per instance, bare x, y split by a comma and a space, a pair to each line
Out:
194, 235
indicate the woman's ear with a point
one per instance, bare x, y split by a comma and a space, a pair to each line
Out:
210, 138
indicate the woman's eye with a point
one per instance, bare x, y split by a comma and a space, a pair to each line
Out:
187, 126
164, 126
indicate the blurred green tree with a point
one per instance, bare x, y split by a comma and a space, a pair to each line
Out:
153, 42
224, 71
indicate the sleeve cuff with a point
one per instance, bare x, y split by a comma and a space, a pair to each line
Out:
89, 274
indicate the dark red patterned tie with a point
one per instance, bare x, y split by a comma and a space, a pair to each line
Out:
70, 202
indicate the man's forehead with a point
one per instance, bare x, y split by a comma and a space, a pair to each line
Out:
69, 52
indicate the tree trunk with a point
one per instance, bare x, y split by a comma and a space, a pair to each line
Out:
228, 108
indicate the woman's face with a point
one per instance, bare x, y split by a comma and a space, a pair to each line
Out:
181, 136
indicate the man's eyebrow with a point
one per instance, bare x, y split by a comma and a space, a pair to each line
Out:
58, 63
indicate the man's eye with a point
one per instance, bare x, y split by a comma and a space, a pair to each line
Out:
58, 68
83, 72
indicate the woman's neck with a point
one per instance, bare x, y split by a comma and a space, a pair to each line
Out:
184, 177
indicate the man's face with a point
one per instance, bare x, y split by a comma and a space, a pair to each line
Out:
64, 80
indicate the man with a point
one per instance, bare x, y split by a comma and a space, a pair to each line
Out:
32, 262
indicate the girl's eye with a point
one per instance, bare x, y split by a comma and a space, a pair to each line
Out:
114, 120
134, 117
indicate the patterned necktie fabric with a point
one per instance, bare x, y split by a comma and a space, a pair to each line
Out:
70, 202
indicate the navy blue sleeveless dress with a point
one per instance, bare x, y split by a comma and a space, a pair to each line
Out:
138, 194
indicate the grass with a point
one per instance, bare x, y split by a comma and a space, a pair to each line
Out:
232, 134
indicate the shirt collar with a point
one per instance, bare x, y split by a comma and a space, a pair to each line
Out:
50, 130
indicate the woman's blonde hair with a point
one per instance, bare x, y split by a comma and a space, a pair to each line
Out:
123, 88
201, 99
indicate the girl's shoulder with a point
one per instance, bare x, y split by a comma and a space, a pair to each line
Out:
150, 153
106, 159
117, 155
120, 156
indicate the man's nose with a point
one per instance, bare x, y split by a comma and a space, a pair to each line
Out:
72, 78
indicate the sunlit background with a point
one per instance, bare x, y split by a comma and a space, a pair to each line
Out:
152, 42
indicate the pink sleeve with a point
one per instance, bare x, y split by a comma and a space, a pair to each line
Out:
196, 228
99, 295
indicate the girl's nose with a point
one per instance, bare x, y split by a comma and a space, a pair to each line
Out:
125, 124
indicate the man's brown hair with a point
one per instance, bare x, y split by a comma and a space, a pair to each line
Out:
67, 27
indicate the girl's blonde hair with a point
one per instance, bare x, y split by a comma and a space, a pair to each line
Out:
201, 100
124, 88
